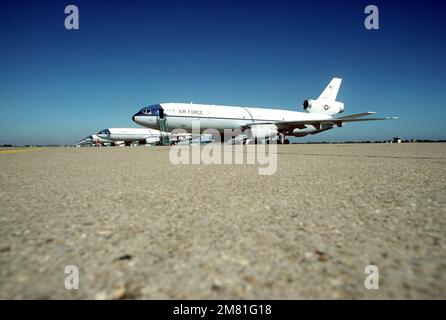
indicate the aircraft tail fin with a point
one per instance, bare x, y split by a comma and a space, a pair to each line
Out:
331, 91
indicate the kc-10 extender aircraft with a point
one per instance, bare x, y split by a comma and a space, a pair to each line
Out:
320, 115
140, 135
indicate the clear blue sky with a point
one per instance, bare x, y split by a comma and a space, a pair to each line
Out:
58, 86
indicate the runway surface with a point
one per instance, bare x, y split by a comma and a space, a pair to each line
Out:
139, 227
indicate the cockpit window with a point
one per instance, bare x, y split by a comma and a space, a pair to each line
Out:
145, 110
105, 131
153, 110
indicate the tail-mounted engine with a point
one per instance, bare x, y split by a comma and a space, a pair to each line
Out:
323, 106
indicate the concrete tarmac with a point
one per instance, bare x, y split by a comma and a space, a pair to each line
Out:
139, 227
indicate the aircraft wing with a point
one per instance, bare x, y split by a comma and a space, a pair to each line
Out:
338, 121
357, 115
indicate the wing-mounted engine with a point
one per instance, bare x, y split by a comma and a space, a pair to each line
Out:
262, 131
152, 140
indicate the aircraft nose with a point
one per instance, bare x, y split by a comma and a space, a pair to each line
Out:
136, 117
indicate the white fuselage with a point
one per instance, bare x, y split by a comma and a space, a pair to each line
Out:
129, 134
182, 115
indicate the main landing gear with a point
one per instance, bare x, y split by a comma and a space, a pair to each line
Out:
282, 139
